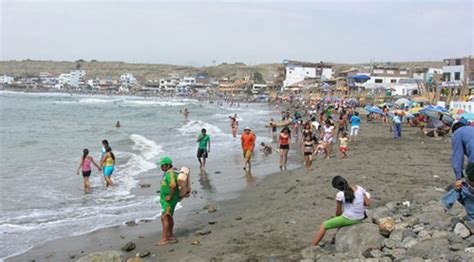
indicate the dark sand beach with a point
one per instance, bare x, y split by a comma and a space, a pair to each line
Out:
276, 218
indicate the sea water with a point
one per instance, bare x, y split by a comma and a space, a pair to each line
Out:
42, 138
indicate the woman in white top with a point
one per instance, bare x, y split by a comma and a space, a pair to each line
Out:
328, 136
352, 199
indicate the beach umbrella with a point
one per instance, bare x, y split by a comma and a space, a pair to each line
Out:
373, 109
457, 111
408, 115
468, 116
403, 101
361, 77
415, 110
438, 112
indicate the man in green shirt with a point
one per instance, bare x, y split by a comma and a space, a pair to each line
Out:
204, 148
169, 197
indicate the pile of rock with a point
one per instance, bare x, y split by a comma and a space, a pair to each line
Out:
404, 232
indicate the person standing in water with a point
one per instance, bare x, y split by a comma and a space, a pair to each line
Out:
234, 124
248, 144
284, 145
204, 148
108, 164
117, 125
185, 113
105, 144
85, 165
169, 197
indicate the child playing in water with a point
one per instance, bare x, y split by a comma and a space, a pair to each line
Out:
85, 165
351, 201
268, 149
308, 151
343, 144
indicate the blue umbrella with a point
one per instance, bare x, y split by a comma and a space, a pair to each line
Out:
361, 77
468, 116
437, 112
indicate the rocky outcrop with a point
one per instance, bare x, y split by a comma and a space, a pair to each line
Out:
105, 256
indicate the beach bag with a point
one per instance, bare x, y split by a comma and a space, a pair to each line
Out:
184, 185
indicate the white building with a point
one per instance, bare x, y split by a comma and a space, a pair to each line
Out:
296, 71
256, 88
169, 84
384, 77
74, 79
407, 87
6, 80
128, 80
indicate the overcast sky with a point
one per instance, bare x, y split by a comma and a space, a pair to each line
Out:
198, 32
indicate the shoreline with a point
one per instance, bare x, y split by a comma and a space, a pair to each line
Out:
277, 217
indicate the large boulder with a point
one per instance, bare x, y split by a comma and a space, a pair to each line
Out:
429, 248
358, 238
105, 256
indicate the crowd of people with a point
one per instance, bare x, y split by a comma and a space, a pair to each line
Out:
313, 127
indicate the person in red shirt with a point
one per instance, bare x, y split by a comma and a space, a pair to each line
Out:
248, 144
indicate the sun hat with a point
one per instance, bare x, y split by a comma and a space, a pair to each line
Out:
248, 128
165, 161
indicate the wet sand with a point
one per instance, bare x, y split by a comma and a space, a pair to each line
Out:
277, 217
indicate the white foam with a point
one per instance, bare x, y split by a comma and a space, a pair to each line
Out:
194, 127
148, 148
153, 103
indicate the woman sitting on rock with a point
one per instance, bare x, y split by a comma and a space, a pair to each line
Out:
351, 199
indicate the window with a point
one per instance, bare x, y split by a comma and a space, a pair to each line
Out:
393, 80
447, 76
457, 76
390, 72
457, 62
378, 80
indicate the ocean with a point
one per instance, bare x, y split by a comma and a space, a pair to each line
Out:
42, 138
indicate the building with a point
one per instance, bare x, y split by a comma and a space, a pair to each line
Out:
74, 79
296, 71
128, 80
428, 75
458, 71
8, 80
169, 84
407, 87
383, 76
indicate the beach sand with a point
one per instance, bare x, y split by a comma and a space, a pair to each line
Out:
278, 216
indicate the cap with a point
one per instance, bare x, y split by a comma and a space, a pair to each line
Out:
165, 161
248, 128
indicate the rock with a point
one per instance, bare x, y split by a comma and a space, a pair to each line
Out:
144, 185
437, 220
129, 246
429, 248
456, 247
238, 218
135, 259
408, 233
409, 242
195, 242
392, 206
470, 241
358, 238
424, 235
375, 253
379, 213
212, 222
211, 209
218, 172
397, 235
439, 234
394, 253
461, 230
72, 256
469, 250
105, 256
453, 238
144, 254
131, 223
389, 243
203, 232
411, 221
386, 226
418, 228
470, 226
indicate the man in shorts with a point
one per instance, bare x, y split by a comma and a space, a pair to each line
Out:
169, 197
204, 148
355, 123
248, 144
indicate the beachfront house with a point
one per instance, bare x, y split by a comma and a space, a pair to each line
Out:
407, 87
383, 77
169, 83
74, 79
6, 80
458, 71
296, 71
128, 80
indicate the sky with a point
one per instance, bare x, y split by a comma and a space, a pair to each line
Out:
206, 32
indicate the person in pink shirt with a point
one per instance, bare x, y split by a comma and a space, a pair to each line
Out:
85, 165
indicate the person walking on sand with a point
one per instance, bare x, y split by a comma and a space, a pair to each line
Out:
351, 201
108, 163
204, 148
169, 197
328, 136
355, 123
248, 144
343, 141
85, 165
308, 151
397, 126
284, 146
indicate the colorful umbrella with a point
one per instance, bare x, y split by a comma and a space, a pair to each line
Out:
437, 112
402, 101
415, 110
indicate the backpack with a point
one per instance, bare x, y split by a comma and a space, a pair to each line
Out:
184, 184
